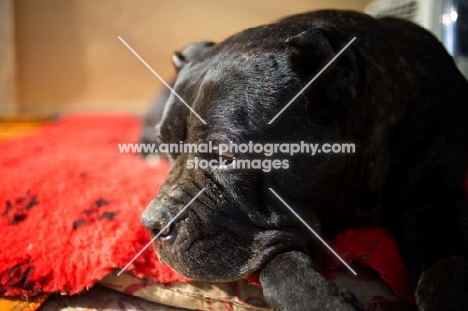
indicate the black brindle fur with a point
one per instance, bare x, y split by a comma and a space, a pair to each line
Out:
395, 93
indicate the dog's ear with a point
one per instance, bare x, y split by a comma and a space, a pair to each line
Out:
331, 94
190, 53
308, 50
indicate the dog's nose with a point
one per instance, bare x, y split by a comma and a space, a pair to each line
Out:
157, 219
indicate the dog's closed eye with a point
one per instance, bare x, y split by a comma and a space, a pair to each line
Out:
227, 160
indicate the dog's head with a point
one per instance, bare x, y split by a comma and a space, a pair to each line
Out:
236, 224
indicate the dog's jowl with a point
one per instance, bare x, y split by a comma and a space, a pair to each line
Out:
394, 93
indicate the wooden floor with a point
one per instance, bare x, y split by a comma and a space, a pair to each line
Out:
16, 126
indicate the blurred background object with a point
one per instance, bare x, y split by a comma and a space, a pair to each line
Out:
446, 19
64, 56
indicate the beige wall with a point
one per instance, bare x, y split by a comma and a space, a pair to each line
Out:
8, 102
69, 57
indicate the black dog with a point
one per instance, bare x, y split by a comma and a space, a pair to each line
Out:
395, 93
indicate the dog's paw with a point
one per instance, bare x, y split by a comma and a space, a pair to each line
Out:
291, 282
444, 286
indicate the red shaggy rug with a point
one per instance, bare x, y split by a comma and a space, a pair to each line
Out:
70, 205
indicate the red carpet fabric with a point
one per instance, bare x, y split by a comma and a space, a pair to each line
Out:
373, 247
70, 205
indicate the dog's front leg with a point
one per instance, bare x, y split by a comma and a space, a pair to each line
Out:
435, 244
291, 282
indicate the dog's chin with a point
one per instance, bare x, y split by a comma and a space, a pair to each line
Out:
205, 260
224, 257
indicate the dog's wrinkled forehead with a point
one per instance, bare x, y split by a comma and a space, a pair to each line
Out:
239, 85
236, 92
